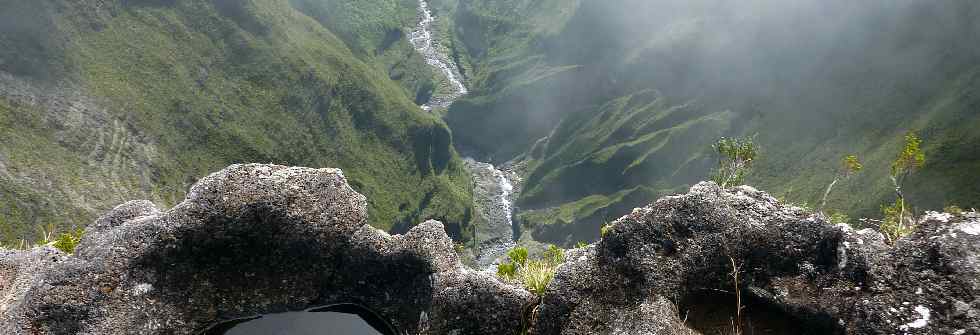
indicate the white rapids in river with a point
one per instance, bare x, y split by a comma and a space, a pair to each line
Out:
493, 191
506, 189
493, 223
421, 38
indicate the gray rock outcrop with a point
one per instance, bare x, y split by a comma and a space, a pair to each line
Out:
259, 239
667, 269
250, 240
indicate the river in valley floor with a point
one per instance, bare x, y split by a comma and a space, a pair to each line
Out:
493, 197
493, 194
423, 40
493, 189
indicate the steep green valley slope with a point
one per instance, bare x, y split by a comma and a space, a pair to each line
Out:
377, 32
608, 105
601, 106
102, 102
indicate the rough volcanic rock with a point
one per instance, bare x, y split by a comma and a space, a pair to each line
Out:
250, 240
257, 239
667, 269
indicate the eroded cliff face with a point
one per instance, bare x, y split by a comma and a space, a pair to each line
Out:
257, 239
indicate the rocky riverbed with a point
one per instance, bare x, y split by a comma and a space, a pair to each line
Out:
494, 191
424, 41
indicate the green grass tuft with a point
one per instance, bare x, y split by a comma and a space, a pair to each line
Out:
534, 274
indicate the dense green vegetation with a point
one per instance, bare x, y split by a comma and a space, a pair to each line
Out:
605, 97
604, 105
599, 165
44, 182
377, 32
181, 89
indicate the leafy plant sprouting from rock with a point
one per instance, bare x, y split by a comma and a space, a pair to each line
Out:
534, 274
518, 255
555, 254
735, 156
605, 229
66, 241
850, 165
893, 225
896, 223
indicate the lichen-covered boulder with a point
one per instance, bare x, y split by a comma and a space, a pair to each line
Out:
670, 268
249, 240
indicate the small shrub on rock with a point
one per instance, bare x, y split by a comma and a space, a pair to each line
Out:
507, 270
735, 156
896, 225
555, 254
605, 230
534, 274
898, 222
518, 255
68, 241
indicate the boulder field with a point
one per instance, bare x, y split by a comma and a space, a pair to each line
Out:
259, 239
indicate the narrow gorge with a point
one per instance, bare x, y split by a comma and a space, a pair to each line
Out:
493, 188
426, 44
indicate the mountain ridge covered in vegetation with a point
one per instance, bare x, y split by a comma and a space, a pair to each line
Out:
117, 100
600, 106
613, 104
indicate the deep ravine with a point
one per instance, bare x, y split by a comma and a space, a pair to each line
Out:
423, 41
493, 188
